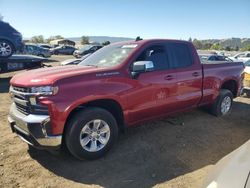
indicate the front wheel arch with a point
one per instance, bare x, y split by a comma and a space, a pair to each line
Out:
74, 130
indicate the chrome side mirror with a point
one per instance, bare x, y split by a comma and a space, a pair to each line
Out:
143, 66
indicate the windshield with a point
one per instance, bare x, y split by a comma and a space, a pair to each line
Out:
109, 56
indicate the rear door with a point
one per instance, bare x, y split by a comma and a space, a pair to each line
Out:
154, 92
188, 71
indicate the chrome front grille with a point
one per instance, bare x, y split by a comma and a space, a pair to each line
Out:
21, 98
20, 89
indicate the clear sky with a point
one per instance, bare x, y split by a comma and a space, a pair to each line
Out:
179, 19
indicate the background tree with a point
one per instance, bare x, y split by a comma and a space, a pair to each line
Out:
197, 44
37, 39
1, 17
246, 48
84, 40
106, 43
216, 46
228, 48
190, 39
206, 46
54, 38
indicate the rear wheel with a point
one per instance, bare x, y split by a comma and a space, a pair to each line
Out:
223, 104
248, 94
6, 49
91, 133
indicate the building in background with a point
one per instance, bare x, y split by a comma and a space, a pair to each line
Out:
62, 42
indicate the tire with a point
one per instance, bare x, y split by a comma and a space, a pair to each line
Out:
83, 121
248, 94
56, 53
223, 104
6, 49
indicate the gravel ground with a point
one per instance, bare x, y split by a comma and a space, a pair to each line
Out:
171, 152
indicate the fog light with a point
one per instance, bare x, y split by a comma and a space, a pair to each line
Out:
33, 100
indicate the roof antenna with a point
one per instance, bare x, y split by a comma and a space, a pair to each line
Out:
138, 38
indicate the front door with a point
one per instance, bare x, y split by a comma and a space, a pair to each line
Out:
154, 93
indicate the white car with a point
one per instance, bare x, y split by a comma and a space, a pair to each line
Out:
232, 171
245, 56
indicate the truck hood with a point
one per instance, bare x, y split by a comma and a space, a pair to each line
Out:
48, 76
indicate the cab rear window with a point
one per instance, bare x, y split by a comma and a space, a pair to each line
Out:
179, 55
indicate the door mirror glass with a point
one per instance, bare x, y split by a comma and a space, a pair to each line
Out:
143, 66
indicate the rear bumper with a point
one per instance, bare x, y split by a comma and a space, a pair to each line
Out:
33, 129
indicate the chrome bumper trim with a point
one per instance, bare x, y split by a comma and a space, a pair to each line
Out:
32, 127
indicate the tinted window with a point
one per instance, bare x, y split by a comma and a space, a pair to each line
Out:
179, 55
212, 58
247, 63
157, 55
220, 58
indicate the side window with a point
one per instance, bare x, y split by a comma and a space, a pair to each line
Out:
92, 49
179, 55
157, 55
211, 58
30, 48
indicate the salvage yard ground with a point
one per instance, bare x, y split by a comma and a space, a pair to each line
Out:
171, 152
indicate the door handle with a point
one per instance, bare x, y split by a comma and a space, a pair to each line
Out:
195, 74
169, 77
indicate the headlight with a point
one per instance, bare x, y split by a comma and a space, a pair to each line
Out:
45, 90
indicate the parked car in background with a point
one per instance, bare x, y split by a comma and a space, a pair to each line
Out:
74, 61
47, 46
214, 58
232, 171
21, 62
86, 49
85, 106
10, 40
33, 49
66, 50
246, 81
244, 56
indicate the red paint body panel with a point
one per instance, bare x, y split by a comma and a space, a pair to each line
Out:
149, 96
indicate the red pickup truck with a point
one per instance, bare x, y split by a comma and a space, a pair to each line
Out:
83, 107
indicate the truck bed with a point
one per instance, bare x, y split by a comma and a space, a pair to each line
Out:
215, 74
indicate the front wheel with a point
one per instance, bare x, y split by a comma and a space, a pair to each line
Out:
223, 104
91, 133
6, 49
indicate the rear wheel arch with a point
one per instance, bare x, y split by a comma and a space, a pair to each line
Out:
230, 85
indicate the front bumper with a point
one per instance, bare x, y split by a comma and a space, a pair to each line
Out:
33, 129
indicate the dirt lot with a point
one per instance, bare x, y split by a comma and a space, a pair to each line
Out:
163, 153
